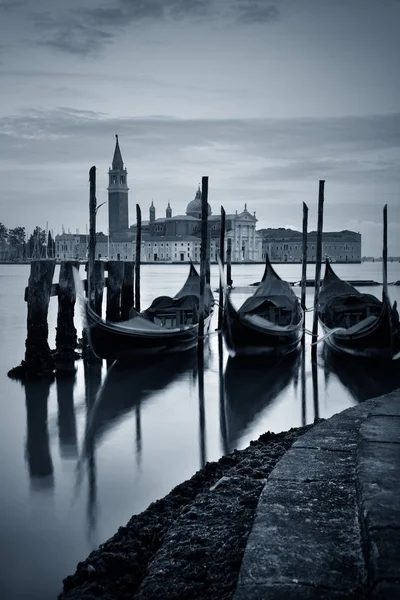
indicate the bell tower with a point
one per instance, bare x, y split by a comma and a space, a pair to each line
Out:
118, 217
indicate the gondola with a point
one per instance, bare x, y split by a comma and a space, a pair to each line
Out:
270, 322
357, 324
169, 325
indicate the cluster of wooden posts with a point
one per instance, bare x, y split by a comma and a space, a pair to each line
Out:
39, 358
123, 289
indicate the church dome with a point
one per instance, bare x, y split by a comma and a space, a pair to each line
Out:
193, 209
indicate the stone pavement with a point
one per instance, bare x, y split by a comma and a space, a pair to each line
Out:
327, 524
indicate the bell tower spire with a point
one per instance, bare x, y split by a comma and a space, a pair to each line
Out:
118, 217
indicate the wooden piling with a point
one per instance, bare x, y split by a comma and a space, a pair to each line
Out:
385, 250
114, 287
222, 257
98, 283
39, 360
304, 262
92, 235
318, 267
203, 252
229, 264
127, 300
137, 257
66, 337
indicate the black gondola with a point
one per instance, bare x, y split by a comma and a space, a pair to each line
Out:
270, 322
169, 325
357, 324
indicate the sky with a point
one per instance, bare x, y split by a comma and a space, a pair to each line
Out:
266, 97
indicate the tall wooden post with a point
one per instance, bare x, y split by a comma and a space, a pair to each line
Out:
137, 258
114, 287
304, 262
318, 267
66, 337
385, 250
92, 235
222, 257
229, 264
127, 290
203, 252
98, 282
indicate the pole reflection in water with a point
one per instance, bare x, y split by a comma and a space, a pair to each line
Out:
364, 379
222, 407
314, 372
138, 423
92, 372
67, 433
202, 416
303, 383
37, 437
250, 387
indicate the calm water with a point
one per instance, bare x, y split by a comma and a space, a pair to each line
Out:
72, 474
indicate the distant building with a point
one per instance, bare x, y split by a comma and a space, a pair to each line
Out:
118, 216
184, 231
286, 245
74, 246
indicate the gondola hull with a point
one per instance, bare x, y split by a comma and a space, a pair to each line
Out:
244, 338
110, 342
374, 337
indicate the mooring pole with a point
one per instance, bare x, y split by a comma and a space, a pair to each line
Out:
229, 264
114, 288
318, 267
92, 235
222, 257
304, 262
385, 250
203, 254
66, 338
127, 289
137, 257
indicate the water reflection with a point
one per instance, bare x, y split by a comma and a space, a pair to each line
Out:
38, 455
251, 386
222, 400
67, 433
363, 379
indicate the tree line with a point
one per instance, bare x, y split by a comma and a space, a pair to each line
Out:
16, 246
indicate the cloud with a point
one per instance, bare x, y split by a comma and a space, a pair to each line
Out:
256, 11
68, 34
10, 5
85, 31
273, 165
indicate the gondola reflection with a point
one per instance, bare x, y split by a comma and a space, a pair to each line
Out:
38, 455
251, 386
124, 389
363, 379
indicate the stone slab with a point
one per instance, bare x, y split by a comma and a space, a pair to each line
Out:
381, 428
310, 464
308, 532
385, 590
384, 555
390, 406
288, 592
378, 475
